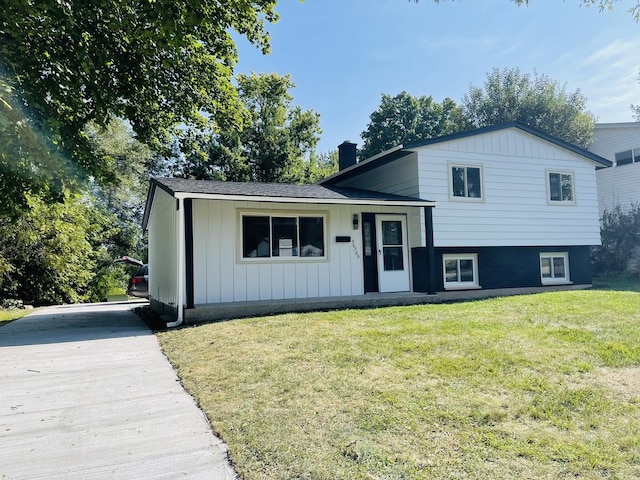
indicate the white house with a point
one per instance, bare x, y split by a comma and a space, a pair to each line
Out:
514, 209
620, 184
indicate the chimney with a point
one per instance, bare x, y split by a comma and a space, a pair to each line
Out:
346, 155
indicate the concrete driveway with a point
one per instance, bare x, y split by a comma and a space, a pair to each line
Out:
86, 393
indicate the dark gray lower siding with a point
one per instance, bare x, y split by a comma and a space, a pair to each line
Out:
517, 267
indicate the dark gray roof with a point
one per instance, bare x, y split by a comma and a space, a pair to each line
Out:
272, 192
403, 150
275, 190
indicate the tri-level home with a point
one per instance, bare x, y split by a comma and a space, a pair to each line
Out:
502, 209
618, 185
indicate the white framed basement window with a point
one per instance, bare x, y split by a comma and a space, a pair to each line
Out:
561, 188
554, 268
282, 236
460, 271
466, 182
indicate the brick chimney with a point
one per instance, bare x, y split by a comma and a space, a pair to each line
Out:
346, 155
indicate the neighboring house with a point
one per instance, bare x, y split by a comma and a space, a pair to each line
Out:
619, 184
514, 209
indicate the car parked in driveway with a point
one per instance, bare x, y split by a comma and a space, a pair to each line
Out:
139, 281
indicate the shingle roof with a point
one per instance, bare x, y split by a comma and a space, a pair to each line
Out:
275, 190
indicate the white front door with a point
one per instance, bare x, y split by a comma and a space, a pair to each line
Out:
393, 258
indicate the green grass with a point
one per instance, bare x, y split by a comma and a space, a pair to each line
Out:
540, 386
12, 314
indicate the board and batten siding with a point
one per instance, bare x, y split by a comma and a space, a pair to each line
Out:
221, 275
514, 210
163, 249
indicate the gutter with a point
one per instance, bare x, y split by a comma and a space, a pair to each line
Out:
181, 265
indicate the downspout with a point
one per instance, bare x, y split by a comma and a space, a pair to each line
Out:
181, 273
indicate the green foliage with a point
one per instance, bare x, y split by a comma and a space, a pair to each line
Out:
155, 63
620, 233
50, 253
405, 118
510, 95
272, 145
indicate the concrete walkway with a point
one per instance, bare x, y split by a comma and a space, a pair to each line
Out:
86, 393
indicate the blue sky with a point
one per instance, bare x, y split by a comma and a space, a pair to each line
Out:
343, 54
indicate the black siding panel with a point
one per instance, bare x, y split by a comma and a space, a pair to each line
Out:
517, 267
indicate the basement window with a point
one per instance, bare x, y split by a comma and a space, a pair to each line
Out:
554, 268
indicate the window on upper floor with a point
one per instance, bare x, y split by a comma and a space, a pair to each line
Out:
628, 156
282, 236
554, 268
560, 188
466, 182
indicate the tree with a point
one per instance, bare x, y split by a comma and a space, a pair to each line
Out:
602, 5
272, 146
49, 254
405, 118
509, 95
154, 63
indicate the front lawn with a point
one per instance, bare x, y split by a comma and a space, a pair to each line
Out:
538, 386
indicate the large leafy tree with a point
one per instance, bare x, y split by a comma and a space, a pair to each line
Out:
156, 63
536, 100
273, 145
405, 118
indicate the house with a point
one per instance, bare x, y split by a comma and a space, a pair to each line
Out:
500, 209
620, 144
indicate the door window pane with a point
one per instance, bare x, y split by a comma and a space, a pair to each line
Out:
392, 232
393, 259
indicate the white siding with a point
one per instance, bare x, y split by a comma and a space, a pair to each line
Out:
221, 275
617, 185
399, 177
163, 263
515, 211
611, 138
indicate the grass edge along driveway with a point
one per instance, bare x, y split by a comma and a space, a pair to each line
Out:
537, 386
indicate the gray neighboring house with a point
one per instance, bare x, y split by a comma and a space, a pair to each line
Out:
619, 184
504, 209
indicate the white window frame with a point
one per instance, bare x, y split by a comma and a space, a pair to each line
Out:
548, 174
553, 280
451, 166
475, 284
281, 214
635, 156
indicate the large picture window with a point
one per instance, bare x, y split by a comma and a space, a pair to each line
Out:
460, 271
466, 182
561, 187
282, 236
554, 268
